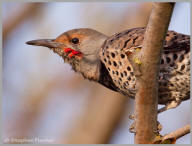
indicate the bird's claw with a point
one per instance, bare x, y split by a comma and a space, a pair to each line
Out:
132, 127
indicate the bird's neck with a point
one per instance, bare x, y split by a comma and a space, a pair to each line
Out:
89, 70
97, 72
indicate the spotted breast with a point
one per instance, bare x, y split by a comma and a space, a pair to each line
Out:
174, 78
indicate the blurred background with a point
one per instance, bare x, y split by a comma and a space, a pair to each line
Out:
44, 101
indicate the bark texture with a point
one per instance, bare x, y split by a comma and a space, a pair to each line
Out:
148, 71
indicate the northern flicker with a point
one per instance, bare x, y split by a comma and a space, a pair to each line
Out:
105, 60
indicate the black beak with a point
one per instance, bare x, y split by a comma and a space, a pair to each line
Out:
50, 43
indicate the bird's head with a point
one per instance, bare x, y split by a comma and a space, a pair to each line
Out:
78, 47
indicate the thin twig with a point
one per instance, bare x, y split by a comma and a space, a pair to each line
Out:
148, 71
178, 133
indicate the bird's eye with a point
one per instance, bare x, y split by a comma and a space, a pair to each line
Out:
75, 40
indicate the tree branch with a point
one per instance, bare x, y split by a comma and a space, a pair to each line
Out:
178, 133
146, 99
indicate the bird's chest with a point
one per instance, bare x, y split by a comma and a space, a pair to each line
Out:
121, 71
173, 79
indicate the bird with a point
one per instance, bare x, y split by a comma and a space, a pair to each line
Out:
106, 60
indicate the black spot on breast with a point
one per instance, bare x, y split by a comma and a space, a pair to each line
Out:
182, 67
109, 62
113, 55
175, 56
122, 75
108, 56
117, 73
128, 68
129, 78
113, 72
181, 58
171, 85
114, 63
168, 59
120, 79
108, 69
120, 63
125, 73
162, 61
122, 56
105, 59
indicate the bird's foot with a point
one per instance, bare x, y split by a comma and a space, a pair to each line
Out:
159, 127
132, 127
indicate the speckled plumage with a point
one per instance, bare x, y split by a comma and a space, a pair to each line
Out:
106, 60
174, 79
